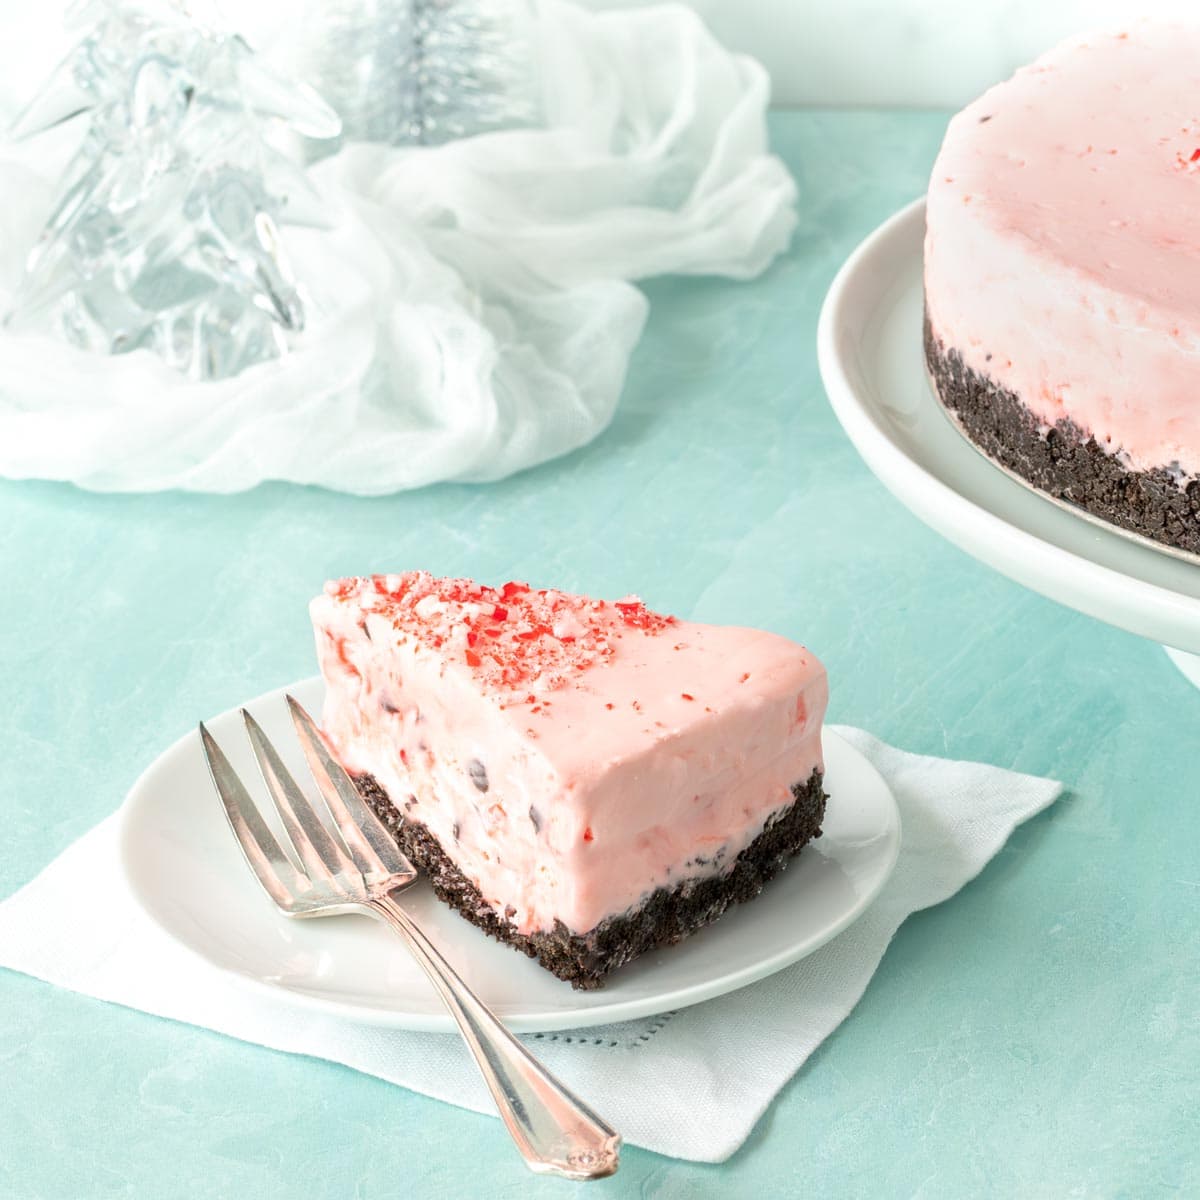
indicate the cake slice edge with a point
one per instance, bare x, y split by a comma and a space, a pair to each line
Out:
666, 916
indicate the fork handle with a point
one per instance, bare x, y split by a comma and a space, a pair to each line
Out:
556, 1133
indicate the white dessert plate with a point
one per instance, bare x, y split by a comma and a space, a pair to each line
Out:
869, 344
187, 873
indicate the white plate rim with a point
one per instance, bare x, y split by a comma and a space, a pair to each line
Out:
619, 1010
1137, 605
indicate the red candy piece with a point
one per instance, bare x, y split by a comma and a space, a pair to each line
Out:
520, 623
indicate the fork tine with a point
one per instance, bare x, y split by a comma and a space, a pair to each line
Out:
359, 845
321, 855
364, 853
282, 882
364, 832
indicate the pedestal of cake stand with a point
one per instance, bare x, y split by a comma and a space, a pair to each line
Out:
1189, 664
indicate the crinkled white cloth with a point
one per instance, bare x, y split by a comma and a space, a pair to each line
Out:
473, 310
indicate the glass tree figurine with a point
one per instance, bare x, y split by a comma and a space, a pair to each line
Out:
164, 235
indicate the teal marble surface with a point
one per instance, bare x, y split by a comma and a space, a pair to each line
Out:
1037, 1036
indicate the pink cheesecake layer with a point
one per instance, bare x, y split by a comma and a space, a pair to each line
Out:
621, 751
1062, 255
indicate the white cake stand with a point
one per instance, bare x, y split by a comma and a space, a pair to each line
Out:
870, 348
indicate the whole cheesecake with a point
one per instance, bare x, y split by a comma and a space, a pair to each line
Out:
583, 779
1062, 277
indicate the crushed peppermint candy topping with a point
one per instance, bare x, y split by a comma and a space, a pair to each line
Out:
513, 637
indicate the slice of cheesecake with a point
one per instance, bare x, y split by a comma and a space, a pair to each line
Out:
583, 779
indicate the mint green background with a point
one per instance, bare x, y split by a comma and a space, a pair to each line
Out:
1037, 1036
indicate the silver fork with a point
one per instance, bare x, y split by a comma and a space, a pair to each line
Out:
356, 867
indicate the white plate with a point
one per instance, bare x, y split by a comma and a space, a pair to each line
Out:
869, 343
187, 873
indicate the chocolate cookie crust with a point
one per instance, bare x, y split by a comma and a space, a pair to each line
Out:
1064, 462
668, 915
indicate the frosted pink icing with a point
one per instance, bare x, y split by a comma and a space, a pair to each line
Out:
1062, 253
649, 750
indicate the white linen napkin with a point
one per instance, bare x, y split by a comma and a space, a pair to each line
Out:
691, 1084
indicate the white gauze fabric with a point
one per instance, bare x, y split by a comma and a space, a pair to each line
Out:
471, 309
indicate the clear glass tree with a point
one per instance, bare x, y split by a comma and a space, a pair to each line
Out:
165, 232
